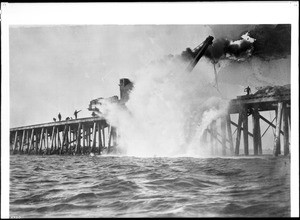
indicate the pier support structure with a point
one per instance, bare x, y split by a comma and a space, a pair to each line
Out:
246, 107
72, 137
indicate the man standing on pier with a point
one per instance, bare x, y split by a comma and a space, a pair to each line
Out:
59, 116
76, 112
248, 90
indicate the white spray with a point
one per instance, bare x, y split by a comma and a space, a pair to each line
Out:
167, 111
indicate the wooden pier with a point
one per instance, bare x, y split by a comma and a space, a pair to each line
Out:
74, 137
251, 106
95, 135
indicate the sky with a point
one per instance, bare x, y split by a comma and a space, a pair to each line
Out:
61, 68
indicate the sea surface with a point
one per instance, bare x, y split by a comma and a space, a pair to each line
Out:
112, 186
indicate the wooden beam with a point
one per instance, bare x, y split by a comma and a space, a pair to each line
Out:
223, 132
245, 132
214, 136
286, 150
64, 135
238, 135
103, 135
236, 125
276, 149
268, 122
109, 140
268, 127
31, 140
88, 137
22, 142
15, 142
27, 140
83, 139
259, 137
94, 137
255, 120
229, 134
39, 148
99, 138
58, 141
52, 139
46, 142
78, 139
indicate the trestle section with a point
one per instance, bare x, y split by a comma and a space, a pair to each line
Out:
221, 141
77, 138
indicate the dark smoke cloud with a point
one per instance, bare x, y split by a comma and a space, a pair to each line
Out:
272, 41
264, 41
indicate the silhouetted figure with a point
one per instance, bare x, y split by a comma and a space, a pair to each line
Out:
76, 112
94, 114
54, 119
248, 90
59, 116
67, 118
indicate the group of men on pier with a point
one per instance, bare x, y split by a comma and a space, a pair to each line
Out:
67, 118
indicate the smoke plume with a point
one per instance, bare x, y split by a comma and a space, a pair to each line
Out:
263, 41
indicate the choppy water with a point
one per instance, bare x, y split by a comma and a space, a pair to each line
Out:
83, 186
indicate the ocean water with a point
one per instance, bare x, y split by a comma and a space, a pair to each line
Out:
112, 186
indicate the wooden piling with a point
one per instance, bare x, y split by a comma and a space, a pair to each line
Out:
94, 138
78, 135
15, 143
223, 133
238, 134
245, 131
256, 136
52, 140
259, 136
276, 149
88, 130
229, 133
285, 130
83, 138
22, 142
27, 141
58, 142
99, 138
109, 139
103, 135
31, 141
